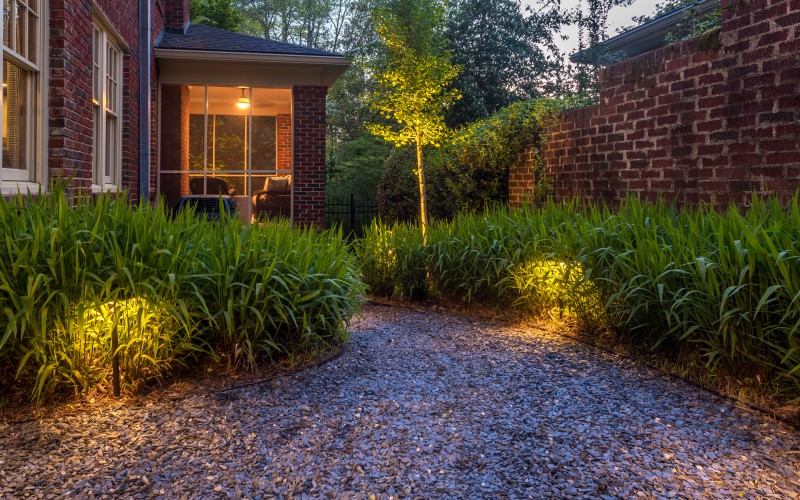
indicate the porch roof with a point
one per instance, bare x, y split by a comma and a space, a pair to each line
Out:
206, 38
203, 54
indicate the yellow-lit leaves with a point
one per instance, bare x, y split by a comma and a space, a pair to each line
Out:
414, 74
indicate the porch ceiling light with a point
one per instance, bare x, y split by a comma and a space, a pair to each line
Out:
243, 102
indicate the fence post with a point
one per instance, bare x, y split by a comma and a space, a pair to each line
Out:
352, 212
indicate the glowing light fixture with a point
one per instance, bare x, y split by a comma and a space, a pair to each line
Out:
243, 102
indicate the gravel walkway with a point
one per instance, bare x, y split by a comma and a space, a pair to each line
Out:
420, 404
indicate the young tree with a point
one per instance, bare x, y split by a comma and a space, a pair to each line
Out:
413, 80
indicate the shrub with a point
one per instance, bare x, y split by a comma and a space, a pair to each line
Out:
398, 191
470, 172
393, 260
174, 288
726, 283
357, 169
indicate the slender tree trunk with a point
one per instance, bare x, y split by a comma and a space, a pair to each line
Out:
423, 202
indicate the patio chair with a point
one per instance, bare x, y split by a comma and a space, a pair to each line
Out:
214, 186
275, 200
207, 205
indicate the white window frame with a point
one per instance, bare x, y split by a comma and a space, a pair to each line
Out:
108, 51
14, 181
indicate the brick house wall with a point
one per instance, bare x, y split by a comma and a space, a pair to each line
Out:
711, 119
283, 126
69, 95
309, 155
175, 136
70, 91
70, 141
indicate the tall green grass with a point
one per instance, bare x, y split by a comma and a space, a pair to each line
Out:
725, 284
173, 287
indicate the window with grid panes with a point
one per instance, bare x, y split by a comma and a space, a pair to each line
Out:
106, 99
22, 47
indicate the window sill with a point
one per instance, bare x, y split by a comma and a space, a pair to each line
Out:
13, 188
105, 188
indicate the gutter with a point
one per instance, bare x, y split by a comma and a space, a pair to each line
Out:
144, 101
219, 55
650, 35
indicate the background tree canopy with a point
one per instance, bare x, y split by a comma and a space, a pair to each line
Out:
217, 13
505, 54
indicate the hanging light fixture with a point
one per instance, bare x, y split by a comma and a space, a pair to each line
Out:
243, 102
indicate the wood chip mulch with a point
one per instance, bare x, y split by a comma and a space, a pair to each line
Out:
420, 404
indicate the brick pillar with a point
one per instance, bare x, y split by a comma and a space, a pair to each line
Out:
176, 14
309, 155
174, 142
283, 127
70, 122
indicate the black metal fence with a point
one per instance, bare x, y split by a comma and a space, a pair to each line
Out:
349, 212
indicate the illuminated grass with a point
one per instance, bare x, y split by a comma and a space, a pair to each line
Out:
726, 284
175, 288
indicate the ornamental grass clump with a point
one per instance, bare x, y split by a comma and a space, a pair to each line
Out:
68, 271
173, 288
722, 284
275, 290
393, 260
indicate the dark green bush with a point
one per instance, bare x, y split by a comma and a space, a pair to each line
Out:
398, 192
356, 169
469, 173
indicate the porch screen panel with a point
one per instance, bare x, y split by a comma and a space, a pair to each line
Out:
232, 138
264, 145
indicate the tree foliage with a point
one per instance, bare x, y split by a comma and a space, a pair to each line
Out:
413, 80
593, 30
217, 13
413, 74
314, 23
470, 171
357, 168
696, 23
507, 55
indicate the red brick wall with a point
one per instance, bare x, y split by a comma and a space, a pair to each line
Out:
704, 120
69, 94
309, 155
283, 124
175, 137
70, 122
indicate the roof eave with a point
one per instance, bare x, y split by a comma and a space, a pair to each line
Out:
655, 29
219, 55
327, 69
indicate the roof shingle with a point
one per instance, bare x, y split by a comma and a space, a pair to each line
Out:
205, 38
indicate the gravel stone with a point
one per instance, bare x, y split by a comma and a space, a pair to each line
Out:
420, 404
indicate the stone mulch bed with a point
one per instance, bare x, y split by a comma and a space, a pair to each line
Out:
421, 403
